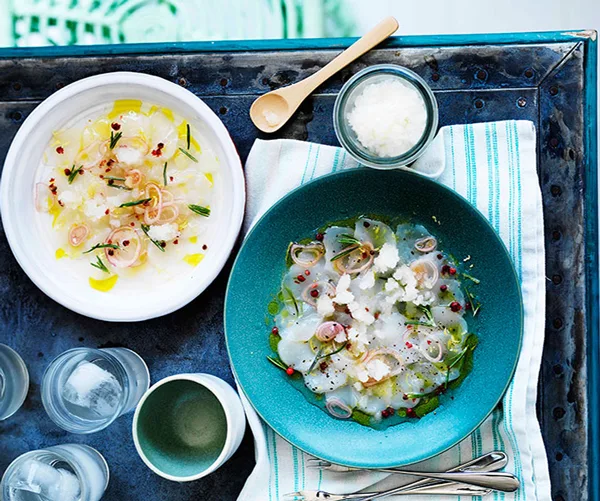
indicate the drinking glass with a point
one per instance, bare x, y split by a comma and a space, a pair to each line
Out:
14, 382
84, 390
70, 472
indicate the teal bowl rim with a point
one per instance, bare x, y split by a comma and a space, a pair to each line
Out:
449, 192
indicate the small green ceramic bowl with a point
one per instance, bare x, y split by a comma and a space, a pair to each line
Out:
256, 278
186, 426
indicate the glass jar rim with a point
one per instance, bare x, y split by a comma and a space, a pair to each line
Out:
350, 144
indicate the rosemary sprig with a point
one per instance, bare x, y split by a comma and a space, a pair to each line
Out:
135, 202
146, 229
277, 363
472, 278
349, 240
430, 321
114, 139
189, 136
74, 172
101, 246
198, 209
100, 265
188, 154
347, 250
113, 178
320, 356
475, 305
165, 174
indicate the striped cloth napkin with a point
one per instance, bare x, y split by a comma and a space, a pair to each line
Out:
493, 165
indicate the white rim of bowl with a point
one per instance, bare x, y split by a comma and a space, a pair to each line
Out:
216, 391
124, 78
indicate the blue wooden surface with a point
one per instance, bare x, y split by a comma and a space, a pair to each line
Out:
548, 78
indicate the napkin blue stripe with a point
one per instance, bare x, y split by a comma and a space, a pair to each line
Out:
497, 177
316, 162
296, 475
488, 147
453, 158
276, 461
266, 428
306, 164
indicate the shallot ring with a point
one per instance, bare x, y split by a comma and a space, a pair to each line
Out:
328, 290
334, 403
426, 244
327, 331
77, 234
367, 248
315, 248
429, 280
424, 350
378, 353
134, 239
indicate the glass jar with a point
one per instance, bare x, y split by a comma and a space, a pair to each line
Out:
345, 103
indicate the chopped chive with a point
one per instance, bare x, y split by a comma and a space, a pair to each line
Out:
112, 178
349, 240
119, 186
320, 356
472, 278
475, 305
198, 209
293, 299
100, 265
189, 136
135, 202
114, 139
277, 363
165, 174
146, 229
188, 154
345, 252
102, 246
74, 172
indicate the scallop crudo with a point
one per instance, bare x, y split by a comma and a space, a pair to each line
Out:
374, 320
129, 193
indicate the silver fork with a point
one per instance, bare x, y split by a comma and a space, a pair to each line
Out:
445, 489
492, 461
500, 481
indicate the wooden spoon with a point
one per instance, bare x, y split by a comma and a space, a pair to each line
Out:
272, 110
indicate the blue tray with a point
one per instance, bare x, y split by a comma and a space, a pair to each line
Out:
549, 78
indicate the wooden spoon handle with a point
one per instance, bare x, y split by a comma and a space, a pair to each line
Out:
374, 37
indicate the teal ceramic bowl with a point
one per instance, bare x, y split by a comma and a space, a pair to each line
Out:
256, 278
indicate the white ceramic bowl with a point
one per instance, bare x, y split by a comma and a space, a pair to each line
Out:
25, 227
182, 432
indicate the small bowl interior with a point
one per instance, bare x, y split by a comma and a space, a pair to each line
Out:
28, 231
181, 428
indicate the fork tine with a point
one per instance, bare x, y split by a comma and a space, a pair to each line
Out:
318, 463
293, 496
